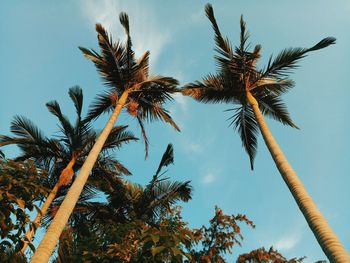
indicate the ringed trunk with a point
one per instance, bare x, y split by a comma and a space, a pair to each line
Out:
48, 243
64, 178
325, 236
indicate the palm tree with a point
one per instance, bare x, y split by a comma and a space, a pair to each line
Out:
126, 204
256, 92
130, 86
65, 155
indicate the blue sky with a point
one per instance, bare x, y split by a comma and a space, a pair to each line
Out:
40, 61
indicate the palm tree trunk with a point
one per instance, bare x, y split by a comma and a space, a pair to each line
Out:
31, 232
325, 236
54, 231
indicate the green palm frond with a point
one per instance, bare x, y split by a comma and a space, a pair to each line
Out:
117, 137
130, 61
65, 126
110, 165
109, 62
244, 121
143, 134
25, 128
223, 46
169, 192
213, 89
33, 144
244, 36
287, 59
152, 112
101, 104
271, 105
143, 67
167, 158
76, 94
271, 86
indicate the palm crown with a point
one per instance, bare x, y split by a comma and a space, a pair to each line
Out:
127, 200
75, 141
238, 77
122, 72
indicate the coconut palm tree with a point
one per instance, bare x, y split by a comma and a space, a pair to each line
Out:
257, 92
127, 203
132, 87
65, 155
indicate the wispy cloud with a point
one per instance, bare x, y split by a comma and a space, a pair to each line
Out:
146, 33
209, 178
195, 147
288, 241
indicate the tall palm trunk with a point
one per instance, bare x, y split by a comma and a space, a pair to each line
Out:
325, 236
66, 172
54, 231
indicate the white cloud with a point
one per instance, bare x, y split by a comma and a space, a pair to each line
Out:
146, 33
195, 147
181, 100
288, 242
209, 178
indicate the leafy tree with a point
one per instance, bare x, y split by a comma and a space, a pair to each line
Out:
256, 92
218, 239
136, 222
132, 87
63, 156
21, 186
143, 224
262, 255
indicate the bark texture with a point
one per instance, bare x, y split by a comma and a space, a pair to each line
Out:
325, 236
48, 243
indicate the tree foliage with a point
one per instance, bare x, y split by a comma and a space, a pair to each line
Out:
262, 255
21, 186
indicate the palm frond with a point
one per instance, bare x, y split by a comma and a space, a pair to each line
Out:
76, 94
243, 36
144, 135
244, 121
287, 60
111, 68
66, 127
117, 137
124, 20
101, 104
170, 192
271, 86
271, 105
25, 128
167, 158
223, 46
152, 111
213, 89
143, 67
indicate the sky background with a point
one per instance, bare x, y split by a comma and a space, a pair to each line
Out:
40, 61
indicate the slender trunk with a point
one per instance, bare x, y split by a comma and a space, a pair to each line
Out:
31, 232
48, 243
325, 236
